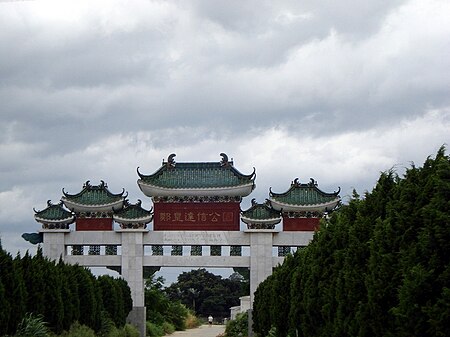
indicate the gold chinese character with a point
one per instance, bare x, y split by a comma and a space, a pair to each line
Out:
201, 217
177, 216
214, 216
227, 216
189, 217
164, 216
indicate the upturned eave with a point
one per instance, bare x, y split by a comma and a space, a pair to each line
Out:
77, 207
122, 220
272, 221
322, 207
66, 221
153, 190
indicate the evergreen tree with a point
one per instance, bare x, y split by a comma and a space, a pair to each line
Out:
379, 267
4, 306
53, 307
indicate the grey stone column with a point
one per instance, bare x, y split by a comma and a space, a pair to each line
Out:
260, 258
54, 246
132, 272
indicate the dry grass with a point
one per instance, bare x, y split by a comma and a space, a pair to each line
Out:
192, 321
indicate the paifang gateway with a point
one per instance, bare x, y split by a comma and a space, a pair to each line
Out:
196, 206
191, 196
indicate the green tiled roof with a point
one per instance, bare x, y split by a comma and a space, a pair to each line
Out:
54, 212
197, 175
304, 194
94, 195
133, 211
260, 212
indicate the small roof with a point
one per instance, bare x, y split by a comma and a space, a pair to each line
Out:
261, 214
94, 199
197, 179
133, 213
54, 214
304, 197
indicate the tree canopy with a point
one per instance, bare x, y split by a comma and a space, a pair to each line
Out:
62, 294
208, 294
378, 267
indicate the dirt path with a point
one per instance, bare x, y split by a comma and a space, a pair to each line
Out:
202, 331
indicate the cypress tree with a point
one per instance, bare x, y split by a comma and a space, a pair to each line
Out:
4, 302
54, 307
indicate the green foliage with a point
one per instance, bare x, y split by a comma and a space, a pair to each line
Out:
11, 277
208, 294
160, 308
32, 326
129, 330
79, 330
168, 328
237, 327
113, 299
61, 294
378, 267
154, 330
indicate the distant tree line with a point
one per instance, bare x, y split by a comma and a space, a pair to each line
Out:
378, 267
62, 294
208, 294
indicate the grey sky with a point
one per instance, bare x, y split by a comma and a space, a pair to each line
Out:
337, 91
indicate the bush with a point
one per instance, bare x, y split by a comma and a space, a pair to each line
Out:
129, 331
32, 326
192, 321
176, 314
237, 327
168, 328
154, 330
78, 330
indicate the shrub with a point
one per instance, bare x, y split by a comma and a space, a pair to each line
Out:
238, 327
32, 326
79, 330
168, 328
154, 330
129, 331
192, 321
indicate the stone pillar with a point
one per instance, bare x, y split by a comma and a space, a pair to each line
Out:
53, 246
132, 272
260, 258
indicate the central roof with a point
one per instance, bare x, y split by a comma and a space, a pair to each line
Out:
197, 179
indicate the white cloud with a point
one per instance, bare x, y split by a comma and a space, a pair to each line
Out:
333, 91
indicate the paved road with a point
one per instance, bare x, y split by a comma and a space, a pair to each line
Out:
202, 331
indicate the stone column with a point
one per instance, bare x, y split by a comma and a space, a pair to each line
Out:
132, 272
53, 246
260, 258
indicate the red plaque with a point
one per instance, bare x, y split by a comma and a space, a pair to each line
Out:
300, 224
94, 224
197, 216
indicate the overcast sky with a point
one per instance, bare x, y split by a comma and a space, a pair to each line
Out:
334, 90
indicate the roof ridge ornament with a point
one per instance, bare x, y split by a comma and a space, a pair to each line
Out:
312, 182
224, 161
171, 160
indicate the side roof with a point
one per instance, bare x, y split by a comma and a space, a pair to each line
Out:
133, 213
261, 214
197, 179
54, 213
304, 197
94, 198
